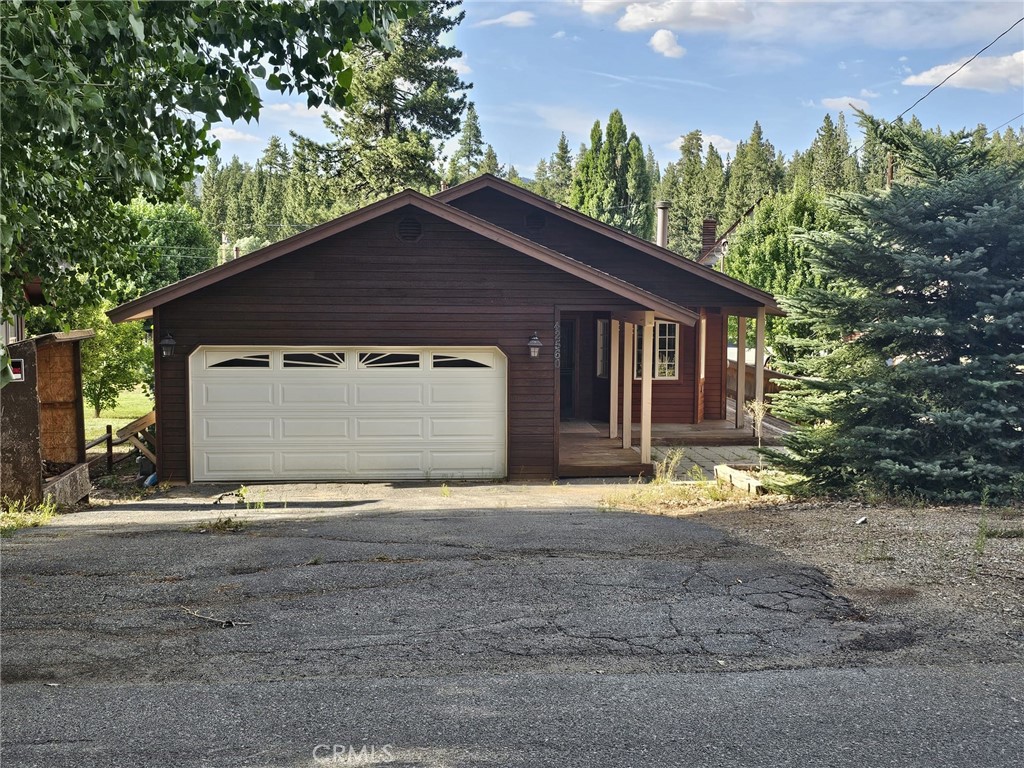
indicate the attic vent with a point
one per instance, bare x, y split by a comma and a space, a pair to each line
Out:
534, 221
409, 230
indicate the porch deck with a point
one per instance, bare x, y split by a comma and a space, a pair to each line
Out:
586, 451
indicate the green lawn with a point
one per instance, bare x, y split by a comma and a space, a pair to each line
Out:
132, 404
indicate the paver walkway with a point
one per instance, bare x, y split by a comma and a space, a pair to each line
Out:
705, 457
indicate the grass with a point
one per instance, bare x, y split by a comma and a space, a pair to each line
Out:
130, 406
663, 494
16, 514
220, 525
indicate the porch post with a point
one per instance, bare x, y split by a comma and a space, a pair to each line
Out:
646, 380
627, 384
702, 364
759, 358
613, 381
741, 370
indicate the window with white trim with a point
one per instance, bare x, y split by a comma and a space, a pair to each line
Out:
666, 351
603, 344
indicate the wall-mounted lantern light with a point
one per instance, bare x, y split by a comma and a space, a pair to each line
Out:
534, 345
167, 345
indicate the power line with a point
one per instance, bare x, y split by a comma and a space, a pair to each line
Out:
998, 127
951, 74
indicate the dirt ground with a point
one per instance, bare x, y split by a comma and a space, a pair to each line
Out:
954, 576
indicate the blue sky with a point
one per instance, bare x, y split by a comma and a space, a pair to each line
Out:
539, 68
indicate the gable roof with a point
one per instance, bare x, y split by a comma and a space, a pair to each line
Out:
688, 266
143, 306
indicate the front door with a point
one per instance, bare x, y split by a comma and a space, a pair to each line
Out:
567, 369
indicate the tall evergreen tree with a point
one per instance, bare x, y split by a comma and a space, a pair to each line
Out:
490, 163
923, 391
611, 182
267, 219
405, 103
561, 170
542, 179
754, 173
465, 162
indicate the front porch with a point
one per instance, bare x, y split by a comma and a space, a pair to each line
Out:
585, 450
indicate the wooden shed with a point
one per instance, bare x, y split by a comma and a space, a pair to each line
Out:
42, 418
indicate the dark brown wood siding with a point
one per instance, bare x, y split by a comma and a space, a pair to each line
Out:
590, 247
715, 362
672, 399
368, 287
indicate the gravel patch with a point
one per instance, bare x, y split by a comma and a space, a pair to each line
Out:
959, 592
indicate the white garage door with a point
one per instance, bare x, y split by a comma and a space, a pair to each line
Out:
354, 413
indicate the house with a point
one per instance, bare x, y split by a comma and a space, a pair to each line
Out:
473, 334
713, 250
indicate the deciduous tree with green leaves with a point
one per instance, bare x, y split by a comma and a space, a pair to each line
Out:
921, 299
100, 101
175, 234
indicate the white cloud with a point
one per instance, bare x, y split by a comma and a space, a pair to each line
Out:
845, 103
601, 6
868, 94
513, 19
558, 35
460, 66
898, 24
665, 42
700, 14
300, 110
988, 73
233, 134
723, 145
842, 65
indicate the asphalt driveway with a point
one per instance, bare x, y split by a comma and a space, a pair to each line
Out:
503, 625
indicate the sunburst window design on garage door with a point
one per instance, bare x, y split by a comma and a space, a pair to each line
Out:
455, 361
314, 359
388, 360
235, 360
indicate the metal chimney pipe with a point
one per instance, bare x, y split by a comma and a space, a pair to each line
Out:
661, 232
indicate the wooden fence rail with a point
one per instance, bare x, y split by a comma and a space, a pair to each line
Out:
133, 433
771, 381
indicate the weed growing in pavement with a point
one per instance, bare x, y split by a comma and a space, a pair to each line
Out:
446, 492
220, 525
251, 501
16, 514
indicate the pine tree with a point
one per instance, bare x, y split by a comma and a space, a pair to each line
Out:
923, 391
754, 173
685, 217
514, 177
490, 163
611, 182
541, 179
465, 163
561, 171
828, 152
267, 218
406, 104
